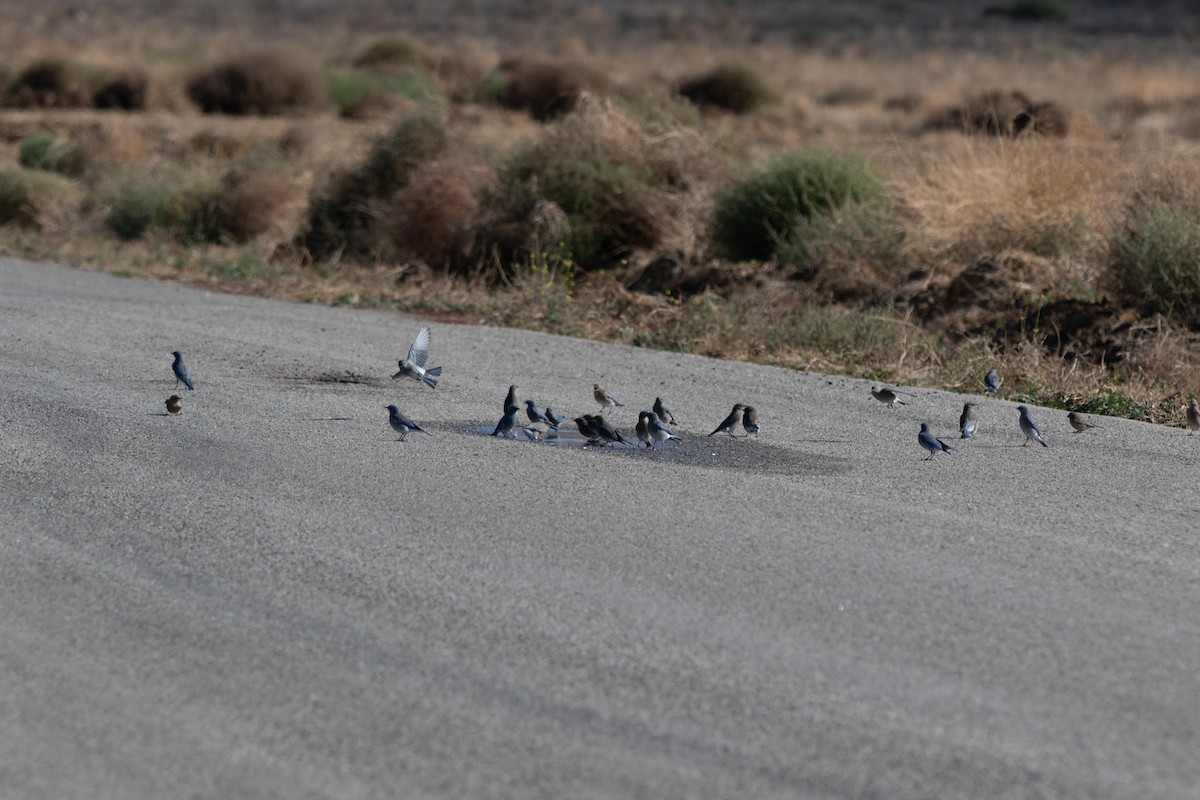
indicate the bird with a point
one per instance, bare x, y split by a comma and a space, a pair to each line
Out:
887, 396
586, 428
1030, 428
174, 404
992, 381
511, 398
663, 412
535, 415
643, 428
658, 431
505, 426
750, 419
1079, 422
402, 424
606, 431
967, 422
181, 371
931, 443
414, 365
731, 421
605, 399
1193, 416
556, 421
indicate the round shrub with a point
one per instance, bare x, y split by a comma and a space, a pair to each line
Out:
1158, 260
259, 83
52, 153
733, 87
31, 197
755, 215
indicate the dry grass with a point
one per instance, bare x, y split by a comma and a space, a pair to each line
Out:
563, 177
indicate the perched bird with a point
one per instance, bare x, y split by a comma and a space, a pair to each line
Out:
402, 424
663, 412
607, 432
658, 431
643, 428
505, 426
992, 381
889, 397
1193, 416
181, 371
414, 365
931, 443
750, 419
731, 421
605, 399
511, 398
174, 404
586, 428
535, 415
967, 422
556, 421
1029, 428
1080, 423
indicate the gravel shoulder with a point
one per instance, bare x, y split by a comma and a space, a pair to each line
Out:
270, 596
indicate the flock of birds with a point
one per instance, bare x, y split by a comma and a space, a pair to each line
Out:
653, 426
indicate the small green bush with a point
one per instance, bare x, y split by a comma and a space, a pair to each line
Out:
733, 87
1038, 11
755, 215
138, 205
349, 88
1158, 260
29, 195
854, 232
51, 153
343, 219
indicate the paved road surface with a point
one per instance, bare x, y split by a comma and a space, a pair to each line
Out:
269, 596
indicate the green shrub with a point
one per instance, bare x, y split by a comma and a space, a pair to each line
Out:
853, 232
1158, 260
349, 88
27, 196
733, 87
343, 219
52, 153
138, 205
1038, 10
755, 215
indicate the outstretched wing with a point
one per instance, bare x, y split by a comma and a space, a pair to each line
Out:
418, 352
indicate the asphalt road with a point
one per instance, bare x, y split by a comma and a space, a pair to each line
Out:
270, 596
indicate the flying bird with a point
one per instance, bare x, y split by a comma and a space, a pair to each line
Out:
750, 419
181, 371
663, 412
926, 439
414, 365
605, 399
174, 404
731, 421
1079, 422
992, 381
967, 422
402, 424
1030, 428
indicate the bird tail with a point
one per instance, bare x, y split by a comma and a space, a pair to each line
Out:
431, 375
947, 447
422, 430
188, 383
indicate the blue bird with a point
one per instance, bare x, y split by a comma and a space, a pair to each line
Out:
181, 371
967, 422
505, 426
556, 421
992, 381
731, 421
531, 410
931, 442
402, 424
1030, 428
658, 431
750, 419
607, 432
414, 365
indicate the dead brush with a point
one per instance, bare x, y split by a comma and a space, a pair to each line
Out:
266, 83
547, 88
427, 215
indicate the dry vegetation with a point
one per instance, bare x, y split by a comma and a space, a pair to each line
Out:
910, 218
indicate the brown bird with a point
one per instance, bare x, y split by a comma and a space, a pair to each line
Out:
1079, 422
1193, 416
605, 399
731, 421
174, 404
643, 428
